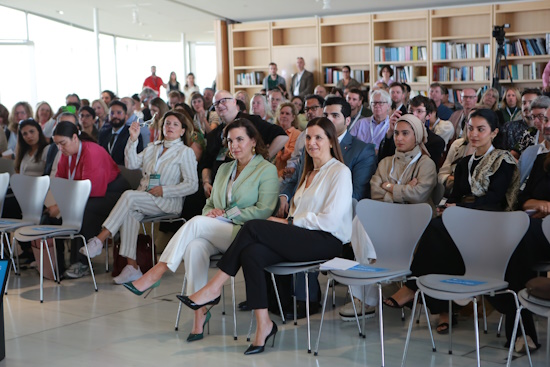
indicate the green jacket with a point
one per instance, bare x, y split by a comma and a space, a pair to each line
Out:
255, 192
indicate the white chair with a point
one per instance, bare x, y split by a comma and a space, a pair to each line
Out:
7, 165
486, 241
30, 193
71, 197
538, 307
394, 236
213, 263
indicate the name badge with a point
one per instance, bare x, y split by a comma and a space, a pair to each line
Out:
232, 213
222, 154
154, 180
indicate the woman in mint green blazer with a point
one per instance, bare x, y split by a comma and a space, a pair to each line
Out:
245, 189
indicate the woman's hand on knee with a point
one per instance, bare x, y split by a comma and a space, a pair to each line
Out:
215, 213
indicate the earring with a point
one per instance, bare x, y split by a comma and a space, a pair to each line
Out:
331, 147
253, 150
229, 154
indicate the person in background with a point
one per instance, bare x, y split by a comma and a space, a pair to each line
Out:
490, 100
298, 102
175, 97
258, 106
108, 96
146, 96
320, 90
86, 118
173, 83
204, 121
133, 116
190, 87
32, 149
158, 108
510, 107
347, 81
241, 95
44, 116
273, 80
4, 118
73, 98
101, 113
287, 118
20, 111
153, 81
385, 74
208, 94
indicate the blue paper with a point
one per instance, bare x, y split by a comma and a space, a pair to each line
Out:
367, 268
45, 228
4, 222
468, 282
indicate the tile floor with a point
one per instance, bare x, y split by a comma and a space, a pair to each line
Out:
77, 326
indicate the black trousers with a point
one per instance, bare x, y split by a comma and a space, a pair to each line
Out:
261, 243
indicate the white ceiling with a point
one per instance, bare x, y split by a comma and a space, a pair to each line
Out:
166, 20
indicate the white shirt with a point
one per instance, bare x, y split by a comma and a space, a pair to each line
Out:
326, 204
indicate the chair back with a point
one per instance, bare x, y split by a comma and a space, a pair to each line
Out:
394, 229
30, 193
438, 193
133, 176
546, 227
4, 183
7, 165
71, 197
485, 239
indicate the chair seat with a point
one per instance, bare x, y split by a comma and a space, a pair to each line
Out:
7, 225
450, 287
154, 218
542, 304
31, 233
354, 277
287, 268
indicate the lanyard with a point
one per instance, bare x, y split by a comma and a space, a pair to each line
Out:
71, 175
371, 123
471, 162
413, 161
355, 119
511, 113
157, 160
435, 123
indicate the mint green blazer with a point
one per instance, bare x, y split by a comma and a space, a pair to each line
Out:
255, 192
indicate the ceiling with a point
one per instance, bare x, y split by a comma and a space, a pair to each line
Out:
166, 20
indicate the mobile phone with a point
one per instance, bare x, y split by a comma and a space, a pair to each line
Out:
71, 109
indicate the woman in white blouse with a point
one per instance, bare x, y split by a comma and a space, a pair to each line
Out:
32, 149
309, 233
169, 173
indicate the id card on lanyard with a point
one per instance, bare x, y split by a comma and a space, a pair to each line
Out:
400, 179
73, 173
154, 178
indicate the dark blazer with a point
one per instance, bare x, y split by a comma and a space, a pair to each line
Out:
118, 150
360, 158
306, 84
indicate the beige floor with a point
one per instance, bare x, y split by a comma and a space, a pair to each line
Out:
76, 326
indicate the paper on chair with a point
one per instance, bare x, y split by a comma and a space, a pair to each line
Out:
338, 264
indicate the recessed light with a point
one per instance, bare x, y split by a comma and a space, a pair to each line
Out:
60, 12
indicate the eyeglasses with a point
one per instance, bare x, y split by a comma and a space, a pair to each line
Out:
469, 97
222, 101
312, 108
380, 103
539, 117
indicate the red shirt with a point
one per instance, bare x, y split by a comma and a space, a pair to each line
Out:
154, 82
95, 164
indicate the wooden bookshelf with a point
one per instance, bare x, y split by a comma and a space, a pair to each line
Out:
250, 55
529, 30
400, 40
345, 41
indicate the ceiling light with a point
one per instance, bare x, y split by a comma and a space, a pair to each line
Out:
60, 12
326, 5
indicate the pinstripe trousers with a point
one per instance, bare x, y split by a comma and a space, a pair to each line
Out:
195, 242
126, 216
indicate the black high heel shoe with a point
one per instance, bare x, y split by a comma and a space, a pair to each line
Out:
192, 305
255, 349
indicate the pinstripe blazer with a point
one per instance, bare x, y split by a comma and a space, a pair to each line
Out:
177, 168
255, 192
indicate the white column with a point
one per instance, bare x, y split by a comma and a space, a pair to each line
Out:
96, 33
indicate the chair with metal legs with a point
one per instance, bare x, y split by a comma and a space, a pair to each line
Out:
213, 263
30, 193
394, 251
486, 241
71, 198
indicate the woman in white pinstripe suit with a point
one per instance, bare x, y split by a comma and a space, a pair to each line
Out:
169, 173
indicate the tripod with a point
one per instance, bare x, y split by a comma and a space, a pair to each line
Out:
496, 71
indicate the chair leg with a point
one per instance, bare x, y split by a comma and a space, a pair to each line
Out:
250, 327
381, 320
363, 311
417, 316
333, 292
355, 311
512, 342
428, 320
278, 299
153, 242
476, 330
55, 277
107, 254
14, 241
56, 263
484, 314
42, 270
307, 314
407, 340
294, 306
89, 261
323, 317
451, 327
223, 299
500, 321
234, 308
179, 303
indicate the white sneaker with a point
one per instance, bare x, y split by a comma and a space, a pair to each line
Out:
95, 246
347, 314
128, 274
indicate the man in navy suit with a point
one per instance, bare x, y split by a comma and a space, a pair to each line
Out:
114, 135
360, 158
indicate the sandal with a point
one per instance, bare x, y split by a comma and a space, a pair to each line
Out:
391, 302
445, 326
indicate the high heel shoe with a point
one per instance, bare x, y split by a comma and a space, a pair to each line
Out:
192, 305
255, 349
137, 292
194, 337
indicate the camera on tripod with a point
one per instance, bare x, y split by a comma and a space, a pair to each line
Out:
499, 32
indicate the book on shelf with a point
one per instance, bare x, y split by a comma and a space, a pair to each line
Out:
333, 75
407, 73
252, 78
405, 53
462, 74
529, 71
528, 46
460, 51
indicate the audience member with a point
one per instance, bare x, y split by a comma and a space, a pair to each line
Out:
108, 96
273, 80
287, 118
86, 118
520, 134
132, 114
460, 117
32, 149
397, 94
241, 95
101, 113
190, 87
208, 95
302, 81
173, 83
258, 106
298, 102
275, 97
490, 100
436, 95
320, 90
175, 97
386, 74
510, 107
72, 98
358, 110
372, 129
158, 108
153, 81
203, 120
347, 81
44, 116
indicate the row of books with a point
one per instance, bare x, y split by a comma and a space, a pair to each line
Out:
528, 46
407, 74
459, 51
405, 53
252, 78
465, 73
333, 75
523, 71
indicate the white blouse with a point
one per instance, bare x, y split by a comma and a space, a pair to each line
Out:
326, 205
30, 167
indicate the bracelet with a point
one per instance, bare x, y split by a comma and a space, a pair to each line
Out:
290, 220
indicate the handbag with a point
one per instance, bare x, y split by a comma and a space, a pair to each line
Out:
539, 287
143, 256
